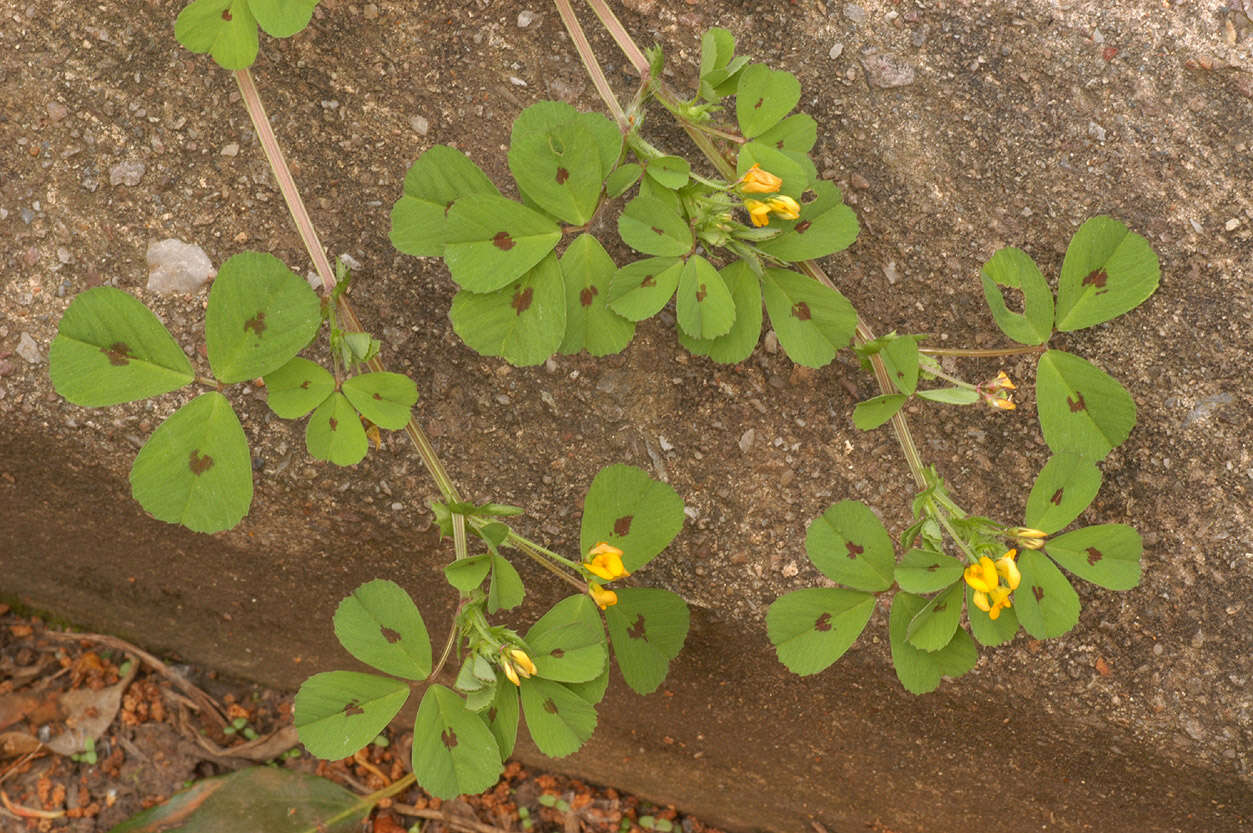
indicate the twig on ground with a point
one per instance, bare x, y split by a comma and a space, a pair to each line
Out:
202, 700
451, 821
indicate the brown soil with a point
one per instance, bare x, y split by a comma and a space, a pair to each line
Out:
1025, 118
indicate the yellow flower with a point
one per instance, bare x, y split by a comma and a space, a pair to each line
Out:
984, 579
605, 561
785, 207
603, 598
982, 576
758, 212
1028, 538
757, 181
1001, 382
515, 663
1008, 570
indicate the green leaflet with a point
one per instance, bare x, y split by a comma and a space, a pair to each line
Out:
454, 751
195, 469
260, 315
591, 325
640, 289
338, 712
436, 180
490, 241
628, 509
812, 628
920, 671
297, 388
1045, 602
383, 398
1082, 409
380, 625
763, 97
1108, 270
567, 644
1066, 486
1108, 554
811, 321
647, 628
110, 348
1015, 269
524, 321
850, 546
559, 720
738, 343
703, 305
278, 801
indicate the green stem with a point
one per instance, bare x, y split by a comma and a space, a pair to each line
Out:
978, 353
942, 517
390, 790
309, 236
934, 369
542, 556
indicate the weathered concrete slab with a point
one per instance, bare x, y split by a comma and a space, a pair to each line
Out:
1140, 719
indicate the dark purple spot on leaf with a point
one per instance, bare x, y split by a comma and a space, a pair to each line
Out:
226, 14
256, 324
562, 176
622, 526
800, 311
1056, 499
659, 231
305, 384
522, 300
1098, 279
636, 631
353, 708
648, 281
1038, 592
491, 715
118, 353
701, 293
557, 653
550, 706
586, 295
802, 227
334, 423
931, 568
823, 623
1094, 555
760, 102
390, 635
449, 737
378, 398
1076, 405
779, 144
853, 549
941, 606
447, 207
503, 241
199, 463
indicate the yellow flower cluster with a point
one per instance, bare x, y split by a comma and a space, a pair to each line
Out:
605, 562
991, 596
994, 392
757, 181
515, 663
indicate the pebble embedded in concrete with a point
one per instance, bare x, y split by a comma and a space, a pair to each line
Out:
175, 267
127, 173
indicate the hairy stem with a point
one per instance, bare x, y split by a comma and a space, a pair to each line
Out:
584, 48
309, 236
978, 353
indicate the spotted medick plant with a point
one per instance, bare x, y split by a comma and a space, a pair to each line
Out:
728, 241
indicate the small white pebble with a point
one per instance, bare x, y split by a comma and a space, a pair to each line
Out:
1232, 224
